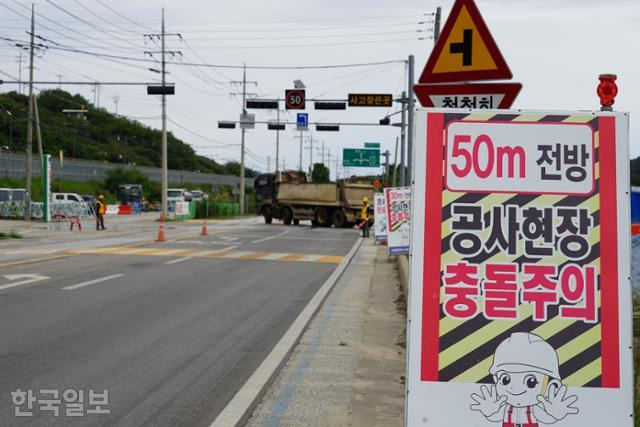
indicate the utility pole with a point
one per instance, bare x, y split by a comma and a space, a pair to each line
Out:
116, 99
244, 111
244, 94
163, 72
395, 165
268, 164
403, 141
43, 178
323, 152
410, 112
27, 199
59, 80
165, 160
278, 136
436, 26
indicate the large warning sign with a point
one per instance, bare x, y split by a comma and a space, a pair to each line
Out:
520, 291
465, 50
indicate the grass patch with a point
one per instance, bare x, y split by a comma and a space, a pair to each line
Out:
10, 235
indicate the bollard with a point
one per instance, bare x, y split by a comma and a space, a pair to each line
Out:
204, 231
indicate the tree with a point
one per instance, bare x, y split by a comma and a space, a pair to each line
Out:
320, 173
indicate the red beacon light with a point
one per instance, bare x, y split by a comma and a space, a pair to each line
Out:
607, 91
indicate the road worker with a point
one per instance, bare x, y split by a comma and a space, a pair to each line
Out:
100, 211
365, 217
528, 389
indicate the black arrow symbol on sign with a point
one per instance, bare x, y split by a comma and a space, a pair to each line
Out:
464, 47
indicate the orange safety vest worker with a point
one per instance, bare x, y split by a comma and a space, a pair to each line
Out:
100, 207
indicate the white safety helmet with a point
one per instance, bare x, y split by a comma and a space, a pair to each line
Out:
525, 352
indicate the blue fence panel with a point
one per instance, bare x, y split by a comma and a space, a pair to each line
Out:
635, 207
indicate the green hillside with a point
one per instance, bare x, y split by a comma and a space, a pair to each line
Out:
100, 135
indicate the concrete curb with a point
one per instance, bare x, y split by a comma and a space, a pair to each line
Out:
403, 268
246, 399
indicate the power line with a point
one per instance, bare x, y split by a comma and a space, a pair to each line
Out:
125, 17
254, 67
89, 24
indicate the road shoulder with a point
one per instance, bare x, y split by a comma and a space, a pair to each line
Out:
348, 368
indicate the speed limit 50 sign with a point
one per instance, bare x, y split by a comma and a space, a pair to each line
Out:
294, 99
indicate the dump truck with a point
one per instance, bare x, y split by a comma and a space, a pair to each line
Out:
291, 196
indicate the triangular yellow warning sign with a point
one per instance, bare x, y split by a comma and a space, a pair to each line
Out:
465, 50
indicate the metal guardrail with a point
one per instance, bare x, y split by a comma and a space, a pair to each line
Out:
12, 165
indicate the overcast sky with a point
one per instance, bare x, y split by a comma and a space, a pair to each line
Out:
556, 49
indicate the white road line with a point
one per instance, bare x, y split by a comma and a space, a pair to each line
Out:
177, 260
274, 256
271, 237
92, 282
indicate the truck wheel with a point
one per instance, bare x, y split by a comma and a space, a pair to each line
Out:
287, 216
268, 215
339, 219
323, 218
296, 222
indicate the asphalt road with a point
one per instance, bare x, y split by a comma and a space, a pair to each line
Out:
172, 330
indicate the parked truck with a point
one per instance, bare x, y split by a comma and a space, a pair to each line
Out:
291, 197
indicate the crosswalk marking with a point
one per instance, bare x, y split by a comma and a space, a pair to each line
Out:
229, 253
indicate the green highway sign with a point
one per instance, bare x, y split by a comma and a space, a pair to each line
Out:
372, 145
361, 157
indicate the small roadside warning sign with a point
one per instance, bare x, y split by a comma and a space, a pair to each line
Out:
465, 50
468, 95
520, 293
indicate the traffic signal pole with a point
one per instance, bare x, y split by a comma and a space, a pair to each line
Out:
165, 161
411, 116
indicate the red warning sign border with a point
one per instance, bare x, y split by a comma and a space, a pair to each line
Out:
502, 72
608, 241
510, 91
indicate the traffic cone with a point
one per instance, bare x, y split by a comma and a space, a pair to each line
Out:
161, 237
204, 231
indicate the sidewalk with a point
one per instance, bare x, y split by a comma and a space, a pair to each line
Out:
348, 369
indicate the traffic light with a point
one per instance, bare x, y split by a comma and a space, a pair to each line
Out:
385, 121
327, 128
275, 126
226, 125
323, 105
258, 103
161, 90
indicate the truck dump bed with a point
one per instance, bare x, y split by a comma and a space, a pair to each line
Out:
354, 192
325, 194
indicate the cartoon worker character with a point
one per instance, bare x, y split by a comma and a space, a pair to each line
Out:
528, 390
